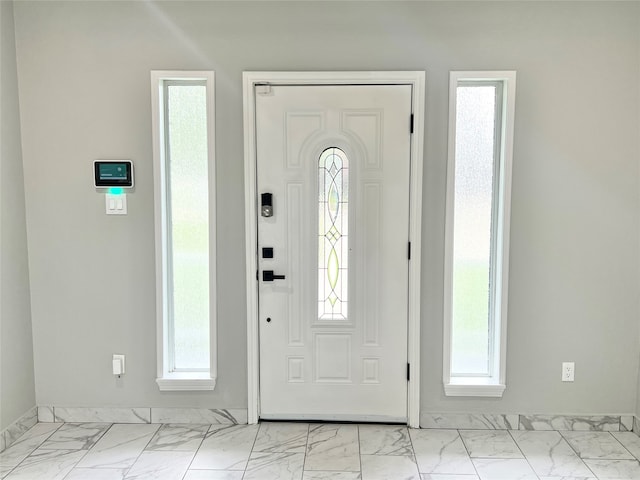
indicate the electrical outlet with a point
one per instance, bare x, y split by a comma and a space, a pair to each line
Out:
568, 371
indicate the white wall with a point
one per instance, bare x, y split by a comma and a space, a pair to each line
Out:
84, 91
17, 392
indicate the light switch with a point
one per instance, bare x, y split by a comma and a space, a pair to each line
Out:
116, 204
118, 364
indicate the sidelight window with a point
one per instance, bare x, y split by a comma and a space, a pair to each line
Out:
185, 250
477, 223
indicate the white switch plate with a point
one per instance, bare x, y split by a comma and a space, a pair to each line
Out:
116, 204
568, 371
118, 364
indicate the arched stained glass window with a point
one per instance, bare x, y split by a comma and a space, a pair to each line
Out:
333, 248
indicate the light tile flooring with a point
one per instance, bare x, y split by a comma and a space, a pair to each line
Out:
282, 451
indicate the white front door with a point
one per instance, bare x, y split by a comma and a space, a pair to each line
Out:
334, 163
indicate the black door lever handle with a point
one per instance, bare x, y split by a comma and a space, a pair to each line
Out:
269, 276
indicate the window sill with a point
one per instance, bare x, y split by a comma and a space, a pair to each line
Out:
473, 387
186, 381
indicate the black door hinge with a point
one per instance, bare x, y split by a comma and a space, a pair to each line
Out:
409, 251
408, 372
411, 124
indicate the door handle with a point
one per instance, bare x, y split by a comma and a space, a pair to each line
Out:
269, 276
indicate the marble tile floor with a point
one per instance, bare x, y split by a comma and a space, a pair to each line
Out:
301, 451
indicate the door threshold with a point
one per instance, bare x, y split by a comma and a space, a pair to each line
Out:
335, 418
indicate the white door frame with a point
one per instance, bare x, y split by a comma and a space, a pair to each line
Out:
417, 81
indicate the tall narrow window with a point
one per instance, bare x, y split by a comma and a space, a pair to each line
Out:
188, 224
333, 251
478, 198
183, 151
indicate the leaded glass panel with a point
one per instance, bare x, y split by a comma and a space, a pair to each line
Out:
333, 250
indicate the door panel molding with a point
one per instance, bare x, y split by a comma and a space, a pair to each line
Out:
417, 81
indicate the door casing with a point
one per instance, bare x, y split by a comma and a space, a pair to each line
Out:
417, 80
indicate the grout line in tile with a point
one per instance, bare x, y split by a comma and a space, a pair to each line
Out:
523, 456
413, 450
464, 444
359, 449
475, 469
195, 451
622, 445
140, 454
574, 452
76, 464
306, 447
253, 445
37, 447
597, 458
569, 443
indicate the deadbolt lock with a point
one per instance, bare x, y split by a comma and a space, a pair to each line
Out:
267, 205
